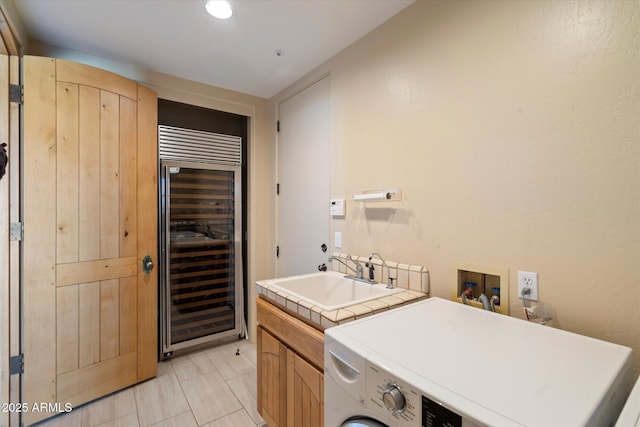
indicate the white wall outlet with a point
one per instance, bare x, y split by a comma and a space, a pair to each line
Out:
528, 280
337, 240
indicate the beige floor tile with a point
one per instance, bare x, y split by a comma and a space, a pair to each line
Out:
210, 397
159, 399
233, 346
251, 351
161, 402
192, 365
245, 388
70, 419
165, 368
229, 363
237, 419
128, 421
109, 408
182, 420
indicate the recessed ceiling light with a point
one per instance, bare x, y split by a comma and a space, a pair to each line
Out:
220, 9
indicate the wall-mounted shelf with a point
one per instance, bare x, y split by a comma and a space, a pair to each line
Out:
386, 195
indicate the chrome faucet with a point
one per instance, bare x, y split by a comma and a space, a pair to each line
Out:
370, 265
358, 270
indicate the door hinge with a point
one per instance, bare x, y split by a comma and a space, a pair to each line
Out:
16, 364
16, 232
278, 126
277, 251
16, 94
278, 189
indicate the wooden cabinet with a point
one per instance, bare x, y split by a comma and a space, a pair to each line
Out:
272, 369
290, 376
305, 393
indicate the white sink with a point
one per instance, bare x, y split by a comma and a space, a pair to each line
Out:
329, 290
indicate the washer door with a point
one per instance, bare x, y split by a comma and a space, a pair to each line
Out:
362, 422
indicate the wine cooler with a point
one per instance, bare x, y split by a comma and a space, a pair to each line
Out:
201, 282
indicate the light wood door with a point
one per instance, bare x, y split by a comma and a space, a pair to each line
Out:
305, 391
90, 216
272, 368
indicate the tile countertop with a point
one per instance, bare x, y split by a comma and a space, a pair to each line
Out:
322, 319
412, 279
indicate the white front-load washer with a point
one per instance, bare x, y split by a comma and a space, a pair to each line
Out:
340, 411
630, 415
440, 363
344, 403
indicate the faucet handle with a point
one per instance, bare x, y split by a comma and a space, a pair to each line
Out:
390, 284
371, 268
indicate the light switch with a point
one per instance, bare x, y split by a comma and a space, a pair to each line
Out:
337, 240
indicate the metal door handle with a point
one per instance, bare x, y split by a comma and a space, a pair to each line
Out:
147, 264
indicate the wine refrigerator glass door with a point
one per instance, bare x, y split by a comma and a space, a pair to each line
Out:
202, 269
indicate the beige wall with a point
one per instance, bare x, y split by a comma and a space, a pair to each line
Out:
261, 260
513, 128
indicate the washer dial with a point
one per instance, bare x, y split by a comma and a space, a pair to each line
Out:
393, 398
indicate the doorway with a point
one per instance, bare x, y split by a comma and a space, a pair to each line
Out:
303, 171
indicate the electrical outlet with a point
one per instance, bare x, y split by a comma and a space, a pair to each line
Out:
529, 280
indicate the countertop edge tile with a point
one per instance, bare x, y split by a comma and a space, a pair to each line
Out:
325, 319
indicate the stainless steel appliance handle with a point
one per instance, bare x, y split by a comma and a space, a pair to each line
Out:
167, 242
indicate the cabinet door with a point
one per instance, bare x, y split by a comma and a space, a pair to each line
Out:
272, 370
305, 391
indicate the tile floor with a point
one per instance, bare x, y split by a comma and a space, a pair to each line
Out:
211, 388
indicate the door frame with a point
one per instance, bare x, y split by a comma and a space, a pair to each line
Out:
10, 212
10, 258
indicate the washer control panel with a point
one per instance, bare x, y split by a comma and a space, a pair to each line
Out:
397, 401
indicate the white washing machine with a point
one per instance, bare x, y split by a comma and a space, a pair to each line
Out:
630, 415
440, 363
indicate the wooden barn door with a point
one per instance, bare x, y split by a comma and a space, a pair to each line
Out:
90, 218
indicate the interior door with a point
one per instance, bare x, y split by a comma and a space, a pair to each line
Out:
90, 218
304, 180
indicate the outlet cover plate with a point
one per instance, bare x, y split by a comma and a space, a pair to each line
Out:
337, 240
528, 279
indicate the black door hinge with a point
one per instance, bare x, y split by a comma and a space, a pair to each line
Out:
278, 126
16, 364
16, 94
277, 251
278, 189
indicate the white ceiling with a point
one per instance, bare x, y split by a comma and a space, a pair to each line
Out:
179, 38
